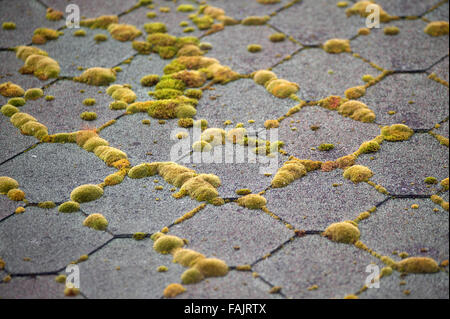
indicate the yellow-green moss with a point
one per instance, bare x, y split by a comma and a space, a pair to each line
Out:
139, 236
281, 88
47, 205
337, 46
194, 93
191, 276
417, 265
355, 92
123, 32
185, 8
253, 48
290, 171
391, 30
150, 80
431, 180
444, 184
358, 173
344, 232
255, 20
9, 89
41, 66
437, 28
96, 221
121, 93
100, 37
8, 25
211, 267
261, 77
23, 52
109, 154
142, 47
86, 193
89, 101
396, 132
53, 14
173, 290
187, 257
155, 27
369, 147
360, 7
277, 37
252, 201
357, 111
16, 194
69, 207
118, 105
368, 78
61, 279
42, 35
88, 116
185, 122
9, 110
97, 76
325, 147
167, 243
101, 22
17, 101
79, 33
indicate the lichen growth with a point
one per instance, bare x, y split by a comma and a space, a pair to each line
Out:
96, 221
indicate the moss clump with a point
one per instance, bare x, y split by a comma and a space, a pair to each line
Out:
121, 93
201, 146
16, 194
277, 37
281, 88
444, 184
9, 89
96, 221
150, 80
33, 94
190, 50
252, 201
123, 32
167, 243
191, 276
368, 78
118, 105
8, 25
161, 40
17, 101
355, 92
344, 232
337, 46
79, 33
358, 173
42, 35
187, 257
254, 20
391, 30
437, 28
325, 147
190, 78
9, 110
262, 77
201, 188
139, 236
271, 124
268, 1
69, 207
86, 193
360, 7
28, 125
42, 67
290, 171
97, 76
155, 27
194, 93
89, 102
357, 111
162, 269
417, 265
253, 48
185, 8
109, 154
143, 170
214, 136
23, 52
369, 147
173, 290
101, 22
47, 205
396, 132
171, 108
100, 37
211, 267
53, 14
203, 22
185, 122
431, 180
142, 47
88, 116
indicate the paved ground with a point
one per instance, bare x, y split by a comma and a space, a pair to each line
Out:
281, 244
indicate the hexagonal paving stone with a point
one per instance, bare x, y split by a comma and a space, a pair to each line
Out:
417, 101
234, 284
337, 269
33, 287
321, 74
146, 143
49, 239
171, 20
411, 49
438, 14
137, 277
242, 9
404, 8
241, 101
441, 69
52, 171
13, 142
312, 203
63, 113
72, 52
7, 206
237, 167
344, 133
28, 16
9, 72
420, 286
320, 21
132, 206
401, 167
91, 9
396, 226
230, 48
140, 66
215, 231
